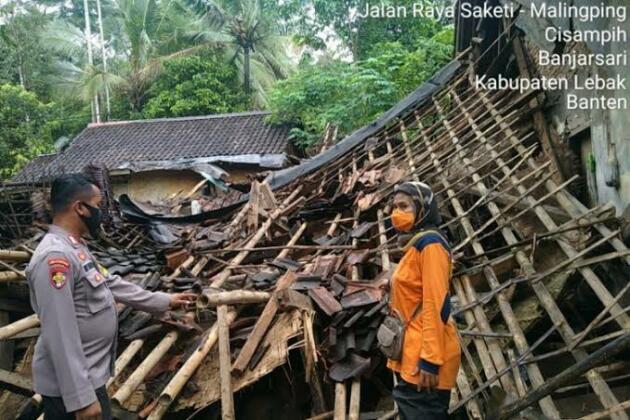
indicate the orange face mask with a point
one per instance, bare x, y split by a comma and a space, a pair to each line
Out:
402, 220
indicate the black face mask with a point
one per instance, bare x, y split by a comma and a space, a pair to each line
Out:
93, 221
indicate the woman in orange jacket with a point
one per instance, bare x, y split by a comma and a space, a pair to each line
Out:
420, 296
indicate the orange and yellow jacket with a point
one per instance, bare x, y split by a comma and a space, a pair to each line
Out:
423, 275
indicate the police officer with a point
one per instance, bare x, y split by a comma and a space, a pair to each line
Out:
75, 299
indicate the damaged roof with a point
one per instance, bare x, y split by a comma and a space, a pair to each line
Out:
118, 144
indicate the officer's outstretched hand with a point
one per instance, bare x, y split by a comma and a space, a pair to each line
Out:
91, 412
182, 300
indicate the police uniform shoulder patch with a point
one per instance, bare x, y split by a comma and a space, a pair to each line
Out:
58, 270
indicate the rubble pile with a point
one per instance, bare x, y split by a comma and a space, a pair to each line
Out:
301, 264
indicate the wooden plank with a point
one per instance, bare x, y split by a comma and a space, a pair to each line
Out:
227, 398
6, 346
16, 382
262, 325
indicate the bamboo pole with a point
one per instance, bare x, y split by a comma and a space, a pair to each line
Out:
20, 273
147, 364
464, 288
571, 207
182, 376
339, 413
17, 327
382, 237
122, 361
606, 413
355, 400
125, 357
7, 276
234, 297
281, 248
227, 398
16, 256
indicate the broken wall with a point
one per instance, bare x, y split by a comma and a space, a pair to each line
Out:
607, 163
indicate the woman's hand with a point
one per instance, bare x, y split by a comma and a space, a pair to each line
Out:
428, 381
182, 300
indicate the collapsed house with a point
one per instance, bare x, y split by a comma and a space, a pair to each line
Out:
290, 277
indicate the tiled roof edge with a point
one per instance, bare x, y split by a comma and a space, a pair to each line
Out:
191, 118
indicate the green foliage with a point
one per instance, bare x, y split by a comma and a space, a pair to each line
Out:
372, 32
195, 86
26, 131
408, 70
352, 95
357, 34
251, 40
343, 94
24, 59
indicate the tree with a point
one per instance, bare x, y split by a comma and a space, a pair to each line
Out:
358, 35
409, 69
343, 94
196, 85
24, 60
147, 34
26, 131
249, 41
352, 95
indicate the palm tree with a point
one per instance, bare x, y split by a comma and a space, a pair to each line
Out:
73, 74
144, 34
249, 41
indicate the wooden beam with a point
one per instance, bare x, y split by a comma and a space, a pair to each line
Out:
16, 382
580, 368
227, 399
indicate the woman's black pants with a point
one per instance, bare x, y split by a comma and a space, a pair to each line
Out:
421, 405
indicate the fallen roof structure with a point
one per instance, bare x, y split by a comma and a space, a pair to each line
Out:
539, 287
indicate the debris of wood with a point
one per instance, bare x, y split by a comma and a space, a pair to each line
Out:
538, 277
